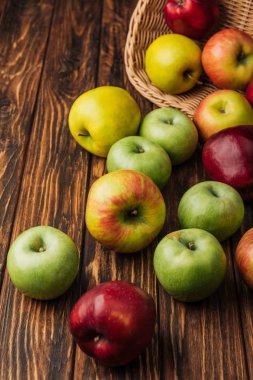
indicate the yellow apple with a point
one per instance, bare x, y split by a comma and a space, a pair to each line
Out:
173, 63
100, 117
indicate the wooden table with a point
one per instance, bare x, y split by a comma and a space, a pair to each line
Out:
50, 52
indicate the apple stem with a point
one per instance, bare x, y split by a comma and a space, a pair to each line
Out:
134, 212
180, 2
82, 134
96, 338
42, 249
194, 79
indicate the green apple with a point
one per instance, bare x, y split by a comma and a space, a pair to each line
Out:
190, 264
138, 153
222, 109
100, 117
173, 63
173, 130
125, 211
43, 262
212, 206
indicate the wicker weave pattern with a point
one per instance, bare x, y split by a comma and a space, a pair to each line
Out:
147, 23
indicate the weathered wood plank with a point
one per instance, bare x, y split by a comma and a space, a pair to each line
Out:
244, 293
100, 264
202, 340
35, 339
24, 30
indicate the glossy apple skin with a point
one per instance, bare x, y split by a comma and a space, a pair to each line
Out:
190, 264
173, 63
173, 130
100, 117
244, 257
227, 59
113, 322
125, 211
228, 157
249, 92
220, 110
192, 18
212, 206
43, 262
138, 153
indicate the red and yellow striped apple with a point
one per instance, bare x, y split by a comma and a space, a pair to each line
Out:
125, 210
227, 59
244, 257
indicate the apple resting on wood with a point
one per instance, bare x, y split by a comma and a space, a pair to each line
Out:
43, 262
113, 322
228, 157
101, 116
220, 110
244, 257
212, 206
192, 18
125, 210
190, 264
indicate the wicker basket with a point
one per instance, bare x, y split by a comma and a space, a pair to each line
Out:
147, 23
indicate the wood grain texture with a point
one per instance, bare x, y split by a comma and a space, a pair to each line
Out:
244, 293
24, 30
35, 339
101, 264
203, 340
45, 63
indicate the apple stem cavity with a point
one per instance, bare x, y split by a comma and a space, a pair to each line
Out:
83, 134
191, 246
187, 75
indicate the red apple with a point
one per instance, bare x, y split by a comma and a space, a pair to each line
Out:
244, 257
113, 322
228, 157
227, 59
193, 18
249, 92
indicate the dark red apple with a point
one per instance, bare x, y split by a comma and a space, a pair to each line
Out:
228, 157
244, 257
193, 18
113, 322
249, 92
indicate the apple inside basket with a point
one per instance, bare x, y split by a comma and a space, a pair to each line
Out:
148, 23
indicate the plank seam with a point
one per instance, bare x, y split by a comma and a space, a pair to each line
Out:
27, 146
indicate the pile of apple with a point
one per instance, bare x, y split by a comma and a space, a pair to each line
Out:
125, 209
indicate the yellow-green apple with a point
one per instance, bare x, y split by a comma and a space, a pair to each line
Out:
228, 157
249, 92
113, 322
222, 109
212, 206
192, 18
244, 257
190, 264
43, 262
227, 59
101, 116
138, 153
173, 130
125, 210
173, 63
